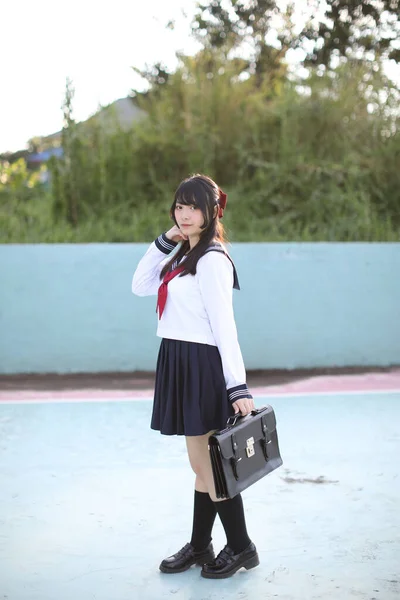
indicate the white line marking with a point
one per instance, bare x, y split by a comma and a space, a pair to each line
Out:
256, 395
321, 393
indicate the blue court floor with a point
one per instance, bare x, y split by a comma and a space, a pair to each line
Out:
91, 500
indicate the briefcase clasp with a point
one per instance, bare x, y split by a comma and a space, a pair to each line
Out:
250, 447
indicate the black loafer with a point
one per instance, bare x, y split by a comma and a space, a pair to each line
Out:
227, 563
185, 558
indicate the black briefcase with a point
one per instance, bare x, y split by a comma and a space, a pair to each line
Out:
244, 452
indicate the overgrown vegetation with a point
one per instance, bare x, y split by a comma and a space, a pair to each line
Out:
315, 159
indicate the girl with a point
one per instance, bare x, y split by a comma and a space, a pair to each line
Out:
200, 376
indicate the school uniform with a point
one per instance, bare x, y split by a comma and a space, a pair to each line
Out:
200, 370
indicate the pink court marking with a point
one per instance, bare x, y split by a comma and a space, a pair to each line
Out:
316, 385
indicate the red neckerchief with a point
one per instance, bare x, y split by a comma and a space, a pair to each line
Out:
163, 290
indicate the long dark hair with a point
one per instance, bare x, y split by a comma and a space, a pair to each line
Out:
200, 191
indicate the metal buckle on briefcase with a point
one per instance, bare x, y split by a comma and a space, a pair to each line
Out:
250, 447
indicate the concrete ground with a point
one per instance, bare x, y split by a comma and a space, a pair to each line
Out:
91, 499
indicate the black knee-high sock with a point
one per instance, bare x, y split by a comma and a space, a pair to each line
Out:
231, 513
203, 520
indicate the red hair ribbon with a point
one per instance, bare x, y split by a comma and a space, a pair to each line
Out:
222, 203
163, 290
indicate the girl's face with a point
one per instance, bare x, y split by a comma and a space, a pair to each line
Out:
190, 220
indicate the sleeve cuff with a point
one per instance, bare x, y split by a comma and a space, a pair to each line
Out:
238, 392
164, 244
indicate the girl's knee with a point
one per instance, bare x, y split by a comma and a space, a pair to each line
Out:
196, 466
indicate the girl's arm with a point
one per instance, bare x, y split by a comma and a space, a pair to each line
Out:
146, 279
215, 276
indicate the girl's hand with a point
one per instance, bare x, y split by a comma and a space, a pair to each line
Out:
175, 234
244, 406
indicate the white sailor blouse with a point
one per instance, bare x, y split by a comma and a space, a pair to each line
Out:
199, 307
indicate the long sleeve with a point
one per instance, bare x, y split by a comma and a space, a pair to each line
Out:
146, 279
215, 276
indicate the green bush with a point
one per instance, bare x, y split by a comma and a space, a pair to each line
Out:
316, 161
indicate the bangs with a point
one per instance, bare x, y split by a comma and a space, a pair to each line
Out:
185, 199
193, 192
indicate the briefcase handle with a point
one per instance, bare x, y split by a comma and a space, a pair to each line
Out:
234, 418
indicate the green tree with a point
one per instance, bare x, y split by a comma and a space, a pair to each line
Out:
155, 76
68, 172
239, 22
354, 29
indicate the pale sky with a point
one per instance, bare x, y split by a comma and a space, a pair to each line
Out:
95, 43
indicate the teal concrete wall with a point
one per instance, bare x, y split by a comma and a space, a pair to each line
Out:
69, 308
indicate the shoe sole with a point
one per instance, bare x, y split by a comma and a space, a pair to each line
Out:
250, 563
199, 562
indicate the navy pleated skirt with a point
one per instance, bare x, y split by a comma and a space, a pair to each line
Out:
190, 396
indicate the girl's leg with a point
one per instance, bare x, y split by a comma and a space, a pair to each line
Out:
200, 550
204, 508
240, 551
231, 511
232, 517
204, 514
199, 458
